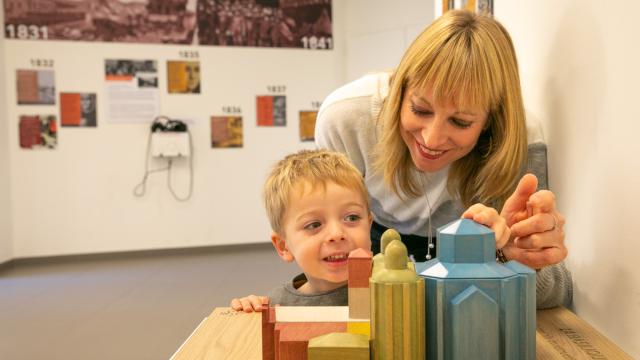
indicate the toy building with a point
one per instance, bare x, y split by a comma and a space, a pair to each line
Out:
397, 308
460, 305
477, 308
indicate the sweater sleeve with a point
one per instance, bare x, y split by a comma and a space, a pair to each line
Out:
553, 286
341, 126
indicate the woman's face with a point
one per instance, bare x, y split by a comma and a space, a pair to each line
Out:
438, 134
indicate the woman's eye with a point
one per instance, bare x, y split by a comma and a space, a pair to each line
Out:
352, 218
419, 112
460, 123
312, 226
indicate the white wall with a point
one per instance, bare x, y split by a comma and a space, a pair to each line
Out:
379, 31
78, 197
579, 65
5, 180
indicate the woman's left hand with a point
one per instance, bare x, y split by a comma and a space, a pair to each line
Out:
537, 234
488, 216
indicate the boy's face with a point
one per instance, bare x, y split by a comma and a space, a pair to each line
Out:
321, 226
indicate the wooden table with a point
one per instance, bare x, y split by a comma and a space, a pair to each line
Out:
227, 334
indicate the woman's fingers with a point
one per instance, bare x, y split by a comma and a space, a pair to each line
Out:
538, 259
539, 223
489, 217
537, 241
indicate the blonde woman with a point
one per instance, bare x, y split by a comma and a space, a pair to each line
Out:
445, 132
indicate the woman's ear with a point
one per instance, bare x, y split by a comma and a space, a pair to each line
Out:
281, 247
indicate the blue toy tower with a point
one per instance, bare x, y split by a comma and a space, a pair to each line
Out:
475, 307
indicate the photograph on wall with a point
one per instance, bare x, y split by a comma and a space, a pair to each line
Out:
271, 110
35, 87
183, 77
132, 21
226, 132
257, 23
265, 23
132, 90
78, 109
38, 132
307, 125
484, 7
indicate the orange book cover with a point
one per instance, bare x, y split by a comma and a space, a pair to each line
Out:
27, 82
70, 109
265, 110
307, 125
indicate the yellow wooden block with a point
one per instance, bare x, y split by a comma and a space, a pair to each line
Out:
359, 327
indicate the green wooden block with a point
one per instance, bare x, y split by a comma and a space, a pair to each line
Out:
343, 346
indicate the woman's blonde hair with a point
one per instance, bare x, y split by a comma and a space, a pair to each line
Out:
468, 59
314, 167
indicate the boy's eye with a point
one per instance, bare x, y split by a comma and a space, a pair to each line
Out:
460, 123
312, 225
352, 217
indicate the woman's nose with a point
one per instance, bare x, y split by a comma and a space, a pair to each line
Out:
434, 134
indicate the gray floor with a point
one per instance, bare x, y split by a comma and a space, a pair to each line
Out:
134, 307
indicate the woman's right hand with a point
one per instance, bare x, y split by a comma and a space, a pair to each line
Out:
489, 217
248, 304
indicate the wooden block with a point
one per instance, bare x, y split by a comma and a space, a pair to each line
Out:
562, 334
293, 338
397, 308
359, 265
268, 324
218, 337
343, 346
359, 303
312, 314
359, 327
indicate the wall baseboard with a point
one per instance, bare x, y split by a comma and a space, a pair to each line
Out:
6, 265
135, 254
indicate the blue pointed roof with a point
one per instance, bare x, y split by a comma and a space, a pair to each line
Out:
466, 241
464, 227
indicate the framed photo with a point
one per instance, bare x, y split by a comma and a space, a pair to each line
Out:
226, 132
484, 7
307, 125
271, 110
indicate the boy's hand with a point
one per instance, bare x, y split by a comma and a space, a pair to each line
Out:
248, 304
489, 217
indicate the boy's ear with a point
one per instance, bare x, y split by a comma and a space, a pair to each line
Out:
370, 218
281, 247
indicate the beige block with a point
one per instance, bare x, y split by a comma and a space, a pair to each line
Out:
312, 314
359, 303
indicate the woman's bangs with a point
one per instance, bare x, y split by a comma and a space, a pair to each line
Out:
459, 73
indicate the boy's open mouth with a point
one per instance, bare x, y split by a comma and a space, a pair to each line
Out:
336, 258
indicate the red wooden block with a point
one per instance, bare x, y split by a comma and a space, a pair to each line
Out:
292, 339
268, 324
359, 265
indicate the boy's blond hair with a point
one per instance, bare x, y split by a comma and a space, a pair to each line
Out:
469, 59
315, 167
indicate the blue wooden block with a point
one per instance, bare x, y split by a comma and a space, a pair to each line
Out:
475, 307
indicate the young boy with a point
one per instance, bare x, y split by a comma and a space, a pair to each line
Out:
318, 208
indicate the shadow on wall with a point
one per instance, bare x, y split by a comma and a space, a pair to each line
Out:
575, 94
576, 77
